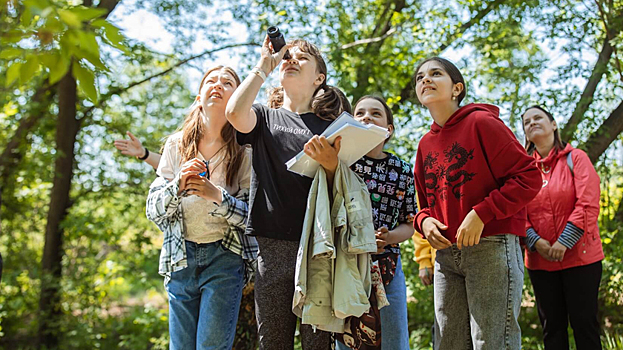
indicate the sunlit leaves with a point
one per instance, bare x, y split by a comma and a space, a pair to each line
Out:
86, 81
46, 36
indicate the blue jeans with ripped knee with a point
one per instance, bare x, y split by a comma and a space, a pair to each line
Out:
478, 295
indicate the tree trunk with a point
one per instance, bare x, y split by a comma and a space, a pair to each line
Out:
14, 150
381, 28
66, 131
601, 139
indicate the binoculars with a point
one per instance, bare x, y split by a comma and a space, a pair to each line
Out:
276, 38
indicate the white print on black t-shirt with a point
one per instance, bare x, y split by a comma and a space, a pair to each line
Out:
291, 130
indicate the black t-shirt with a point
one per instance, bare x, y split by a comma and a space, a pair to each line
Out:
278, 197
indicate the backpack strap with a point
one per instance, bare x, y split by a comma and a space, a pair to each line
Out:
570, 162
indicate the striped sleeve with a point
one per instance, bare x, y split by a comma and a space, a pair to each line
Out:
531, 238
570, 235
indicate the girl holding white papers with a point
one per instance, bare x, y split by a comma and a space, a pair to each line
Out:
302, 108
473, 182
392, 193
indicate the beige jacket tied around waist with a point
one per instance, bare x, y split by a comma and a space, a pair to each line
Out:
332, 278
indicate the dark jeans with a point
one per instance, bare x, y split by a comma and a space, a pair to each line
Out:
274, 289
568, 295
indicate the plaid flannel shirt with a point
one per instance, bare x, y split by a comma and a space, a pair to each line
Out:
165, 210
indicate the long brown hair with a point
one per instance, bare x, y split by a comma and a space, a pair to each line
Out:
328, 101
530, 146
193, 130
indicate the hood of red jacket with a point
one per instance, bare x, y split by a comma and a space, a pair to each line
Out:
463, 112
552, 157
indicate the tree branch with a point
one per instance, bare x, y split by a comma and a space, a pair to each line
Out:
369, 40
109, 5
11, 155
601, 139
407, 92
586, 99
119, 90
382, 31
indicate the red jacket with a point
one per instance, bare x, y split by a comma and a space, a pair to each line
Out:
474, 162
566, 197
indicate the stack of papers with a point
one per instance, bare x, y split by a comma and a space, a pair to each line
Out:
357, 140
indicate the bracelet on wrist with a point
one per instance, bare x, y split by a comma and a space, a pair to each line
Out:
259, 72
146, 154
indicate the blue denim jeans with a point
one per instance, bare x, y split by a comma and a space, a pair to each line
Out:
394, 321
478, 295
204, 298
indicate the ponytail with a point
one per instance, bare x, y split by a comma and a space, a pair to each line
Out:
329, 102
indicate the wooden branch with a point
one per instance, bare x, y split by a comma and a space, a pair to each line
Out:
374, 44
407, 92
601, 139
119, 90
11, 155
369, 40
601, 66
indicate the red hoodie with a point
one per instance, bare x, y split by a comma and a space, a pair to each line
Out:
474, 162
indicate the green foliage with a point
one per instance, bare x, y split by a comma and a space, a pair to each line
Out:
50, 37
111, 294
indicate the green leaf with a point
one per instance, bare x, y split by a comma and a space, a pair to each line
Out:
37, 5
12, 73
113, 35
59, 70
100, 22
70, 18
86, 81
87, 13
13, 36
49, 60
26, 17
53, 25
10, 53
282, 13
88, 43
28, 69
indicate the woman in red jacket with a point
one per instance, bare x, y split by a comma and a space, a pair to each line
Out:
564, 248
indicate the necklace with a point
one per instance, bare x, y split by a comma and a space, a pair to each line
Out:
545, 169
207, 162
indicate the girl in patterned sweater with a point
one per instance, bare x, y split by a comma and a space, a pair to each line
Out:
392, 192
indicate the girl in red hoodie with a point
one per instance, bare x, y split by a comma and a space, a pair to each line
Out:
564, 250
473, 181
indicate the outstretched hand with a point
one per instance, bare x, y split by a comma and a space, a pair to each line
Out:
132, 147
